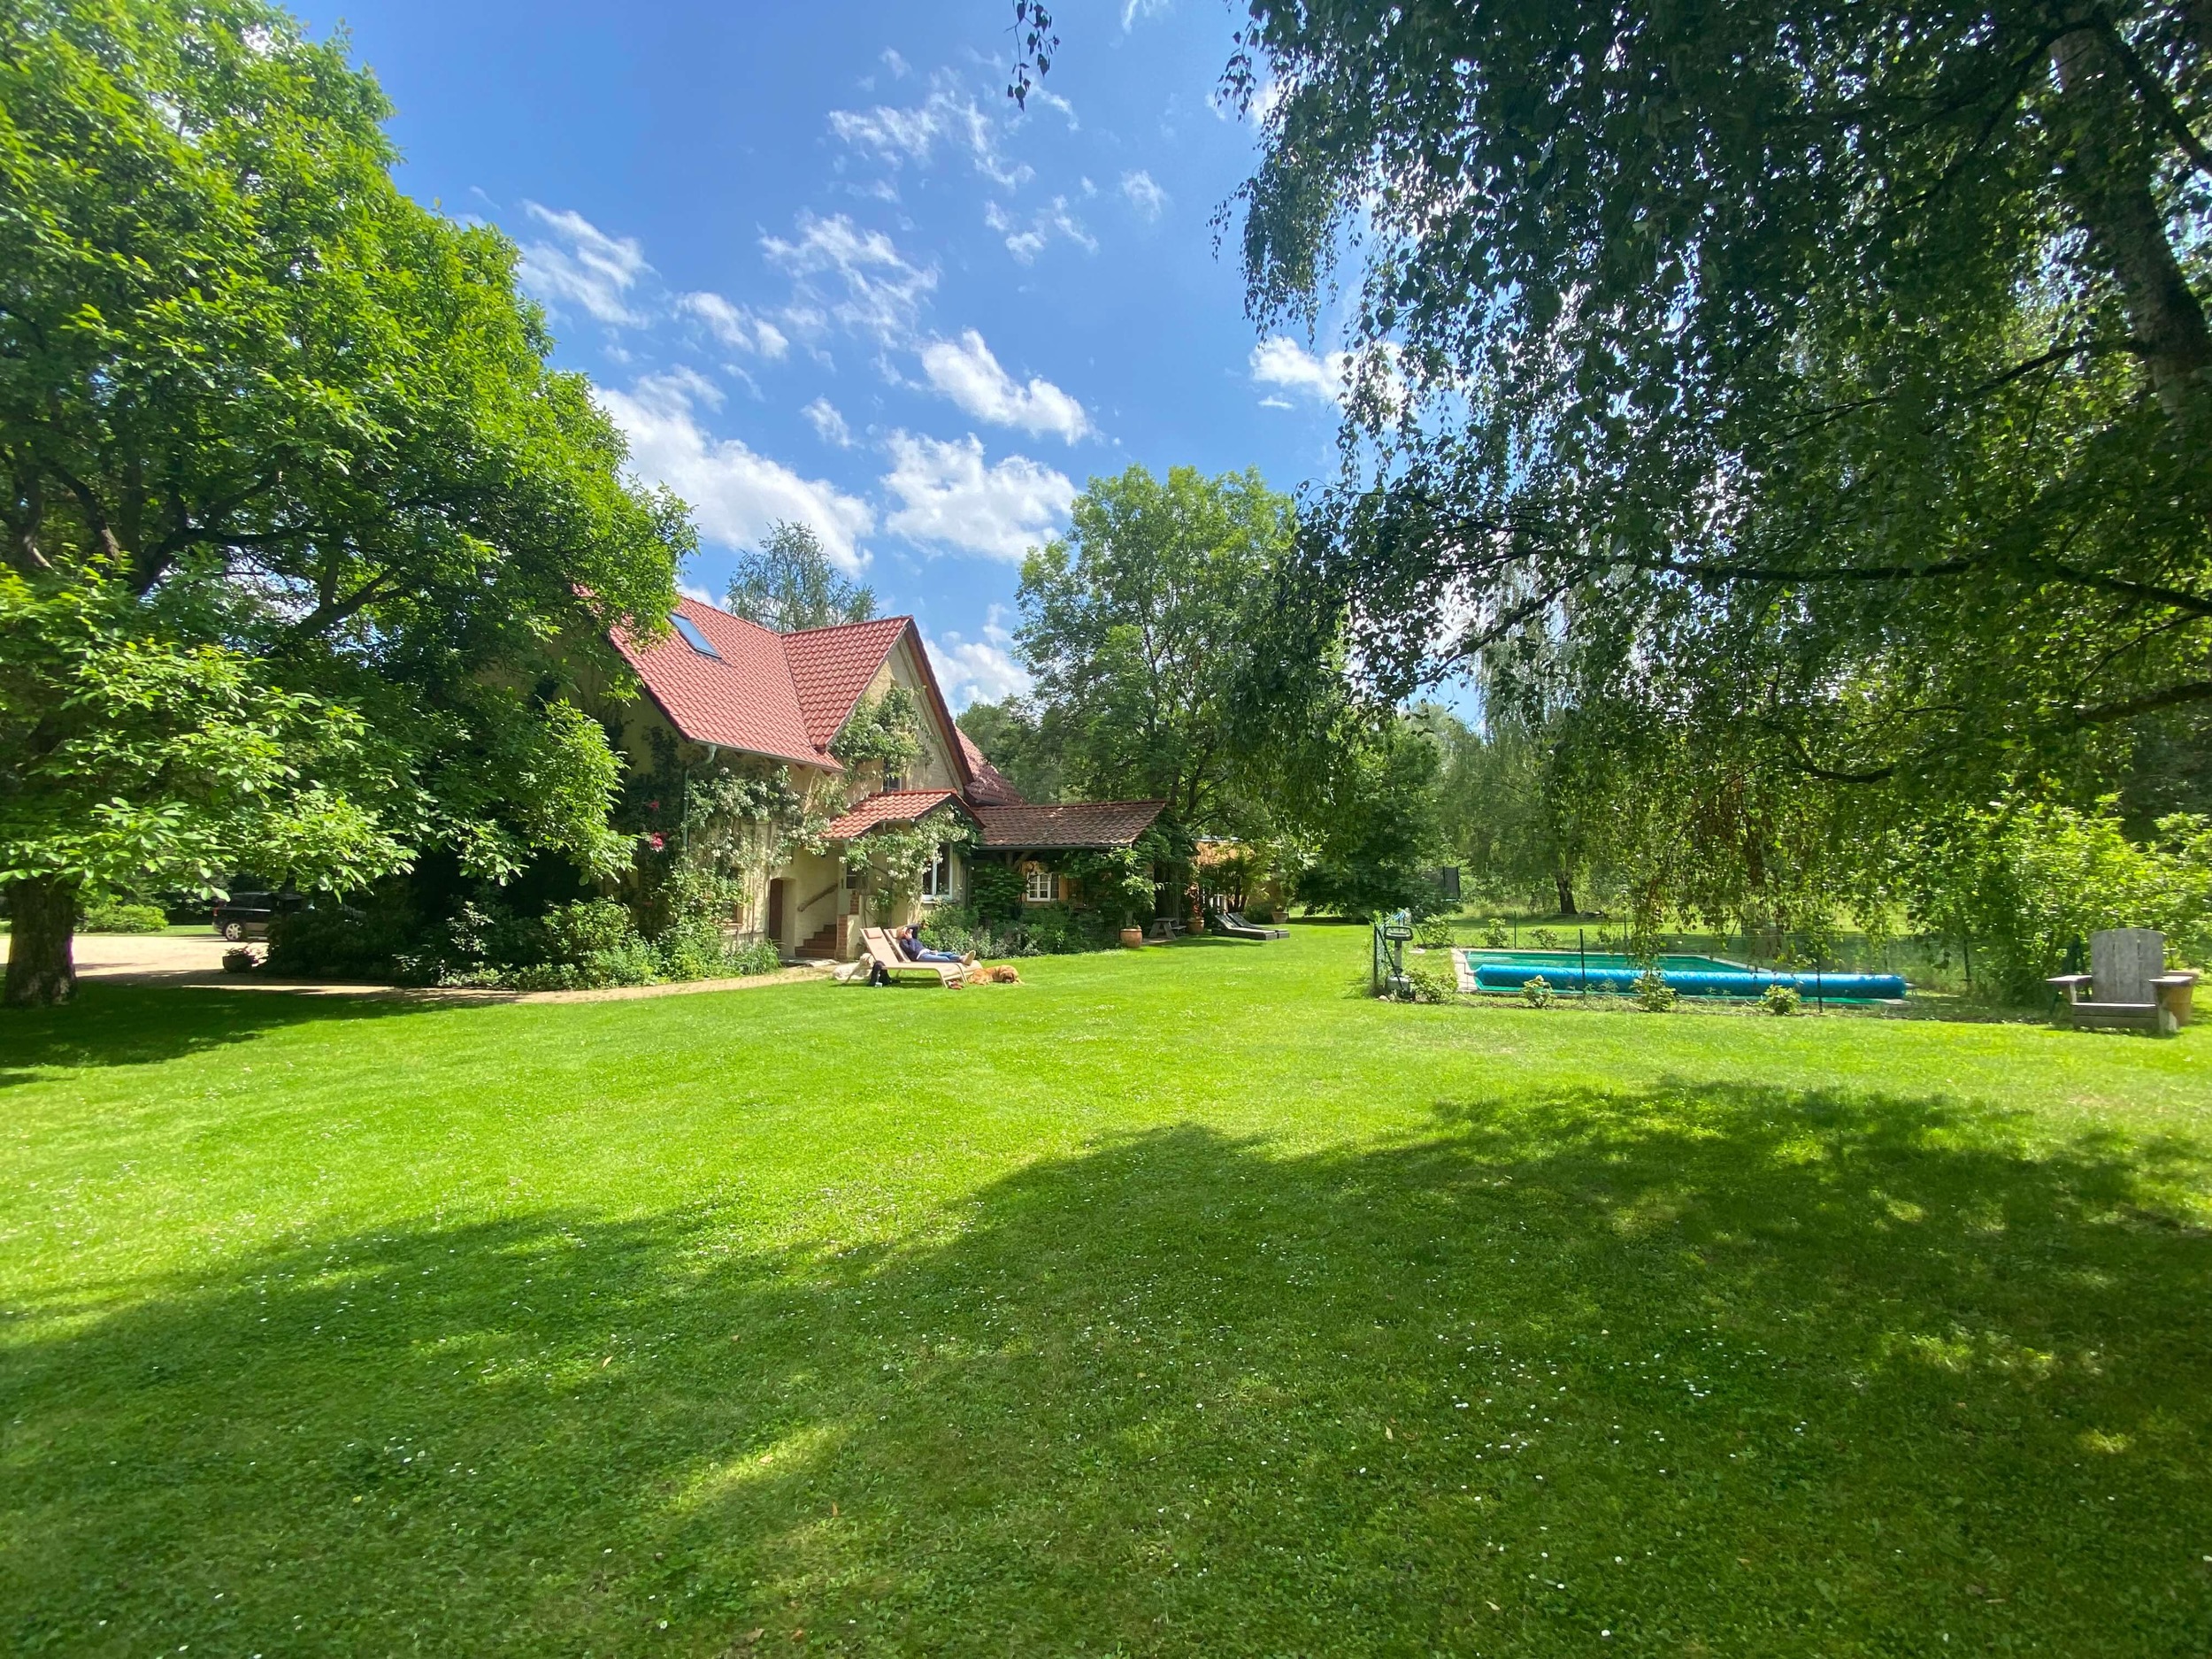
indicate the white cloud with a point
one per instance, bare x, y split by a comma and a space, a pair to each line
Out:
949, 497
1131, 9
948, 117
1027, 241
735, 494
1054, 101
976, 670
692, 590
582, 266
1146, 196
878, 292
1278, 360
896, 63
733, 325
964, 370
828, 424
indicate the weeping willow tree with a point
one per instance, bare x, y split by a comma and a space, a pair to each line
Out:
1814, 398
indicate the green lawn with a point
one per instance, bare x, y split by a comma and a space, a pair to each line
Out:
1183, 1302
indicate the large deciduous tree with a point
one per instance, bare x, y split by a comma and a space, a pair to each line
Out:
1141, 626
286, 447
1812, 390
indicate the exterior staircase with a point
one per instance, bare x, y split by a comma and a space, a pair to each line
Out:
822, 946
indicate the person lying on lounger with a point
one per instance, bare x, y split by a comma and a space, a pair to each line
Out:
911, 948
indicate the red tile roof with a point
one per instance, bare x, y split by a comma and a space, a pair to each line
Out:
831, 667
1072, 825
745, 700
891, 806
988, 786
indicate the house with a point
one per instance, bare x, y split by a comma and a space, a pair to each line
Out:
722, 693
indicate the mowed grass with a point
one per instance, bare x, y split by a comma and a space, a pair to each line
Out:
1183, 1302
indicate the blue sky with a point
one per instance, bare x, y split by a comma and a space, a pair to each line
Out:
819, 267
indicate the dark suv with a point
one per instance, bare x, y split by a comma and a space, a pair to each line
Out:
246, 914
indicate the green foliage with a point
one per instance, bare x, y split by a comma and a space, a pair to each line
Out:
1434, 933
887, 730
995, 890
1434, 979
1139, 626
288, 445
1652, 993
1375, 832
114, 916
2019, 887
1781, 1000
131, 758
1495, 935
1537, 993
1840, 392
1544, 938
1022, 739
788, 583
891, 858
1121, 881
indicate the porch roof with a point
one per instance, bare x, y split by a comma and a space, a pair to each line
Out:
1071, 826
892, 806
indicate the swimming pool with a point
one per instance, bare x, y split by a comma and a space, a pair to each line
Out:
1692, 976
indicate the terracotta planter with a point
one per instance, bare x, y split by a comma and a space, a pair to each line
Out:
1132, 937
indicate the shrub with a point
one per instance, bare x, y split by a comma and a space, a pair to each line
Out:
584, 928
1537, 993
1545, 939
1433, 979
1053, 930
1652, 993
115, 916
1434, 933
1781, 1000
1495, 934
238, 959
330, 940
994, 891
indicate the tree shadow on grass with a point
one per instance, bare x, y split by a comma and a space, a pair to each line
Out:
126, 1025
1693, 1369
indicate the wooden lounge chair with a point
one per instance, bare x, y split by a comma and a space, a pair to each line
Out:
2128, 987
883, 953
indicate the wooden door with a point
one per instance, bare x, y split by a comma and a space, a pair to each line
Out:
775, 910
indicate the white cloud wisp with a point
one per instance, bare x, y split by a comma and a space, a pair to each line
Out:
877, 292
581, 265
964, 370
734, 493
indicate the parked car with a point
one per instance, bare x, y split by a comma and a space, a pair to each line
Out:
246, 914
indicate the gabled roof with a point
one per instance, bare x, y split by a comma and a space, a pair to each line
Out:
743, 699
893, 806
784, 695
988, 786
1072, 826
831, 667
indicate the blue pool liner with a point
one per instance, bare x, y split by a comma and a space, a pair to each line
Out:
1566, 976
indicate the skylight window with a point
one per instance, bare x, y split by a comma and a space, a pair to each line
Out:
692, 637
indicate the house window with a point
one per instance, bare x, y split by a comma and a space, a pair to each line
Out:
937, 876
1040, 885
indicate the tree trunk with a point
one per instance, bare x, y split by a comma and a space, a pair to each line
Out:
42, 920
1565, 885
2109, 180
